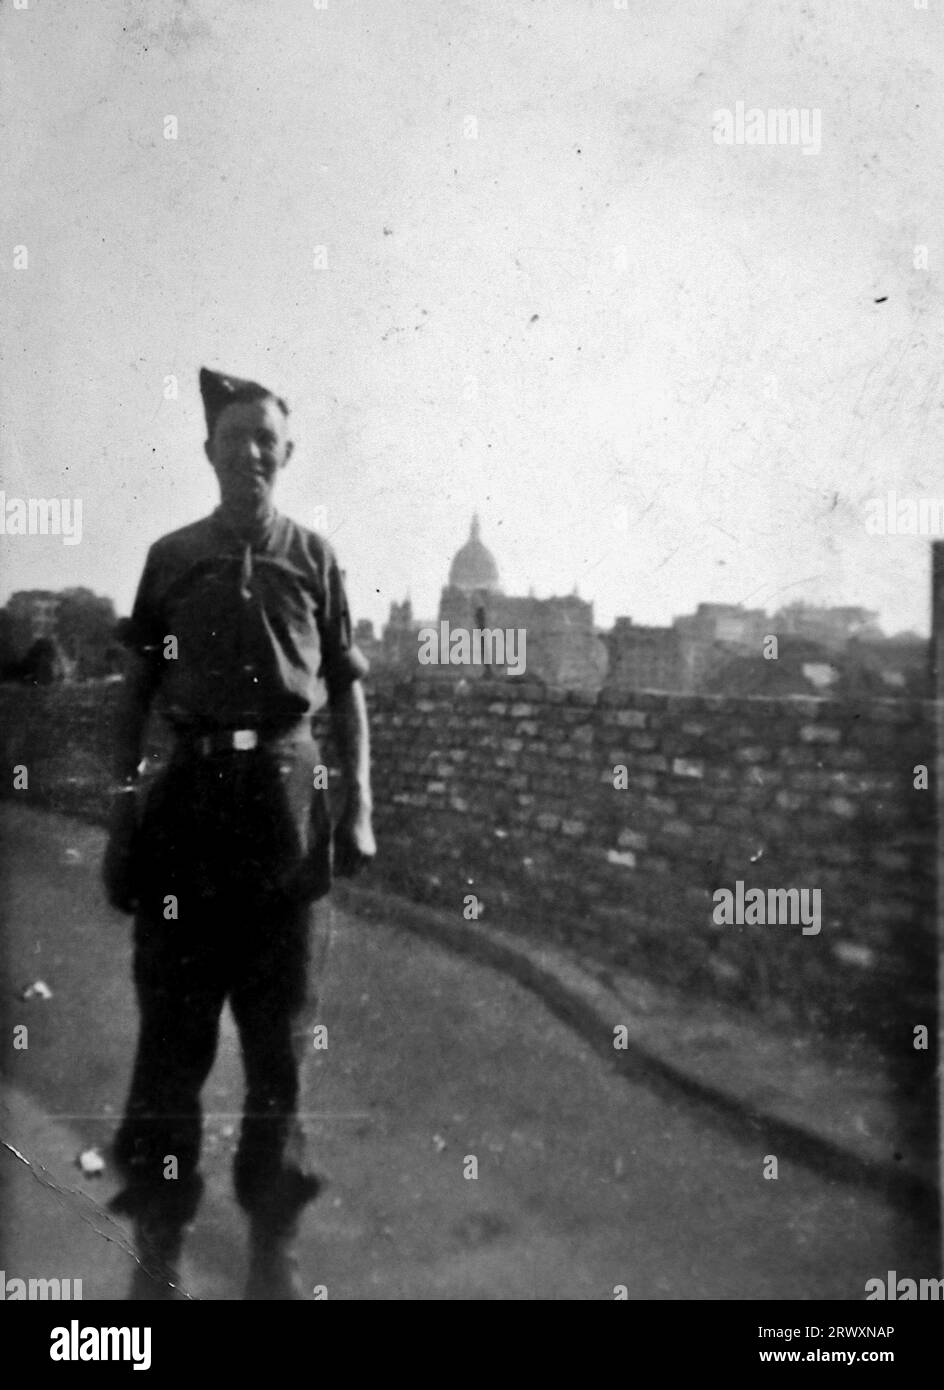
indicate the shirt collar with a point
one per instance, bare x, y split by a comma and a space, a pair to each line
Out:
261, 535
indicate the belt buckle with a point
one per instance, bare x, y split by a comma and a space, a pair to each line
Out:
244, 740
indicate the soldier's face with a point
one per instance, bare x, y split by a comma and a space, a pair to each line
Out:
250, 445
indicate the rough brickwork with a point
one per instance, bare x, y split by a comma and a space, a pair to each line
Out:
505, 790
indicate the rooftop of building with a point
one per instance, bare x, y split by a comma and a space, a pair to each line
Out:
474, 566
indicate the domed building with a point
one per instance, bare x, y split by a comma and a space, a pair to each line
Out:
474, 565
561, 644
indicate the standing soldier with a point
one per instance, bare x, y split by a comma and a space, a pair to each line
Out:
241, 629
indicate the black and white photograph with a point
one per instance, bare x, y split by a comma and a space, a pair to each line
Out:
471, 662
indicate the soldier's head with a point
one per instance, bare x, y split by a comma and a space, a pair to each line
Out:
247, 443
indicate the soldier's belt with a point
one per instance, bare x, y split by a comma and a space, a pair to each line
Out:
238, 740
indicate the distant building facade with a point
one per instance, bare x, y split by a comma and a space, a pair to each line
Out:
562, 646
720, 649
713, 634
644, 658
832, 628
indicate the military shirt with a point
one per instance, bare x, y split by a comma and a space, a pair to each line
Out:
262, 627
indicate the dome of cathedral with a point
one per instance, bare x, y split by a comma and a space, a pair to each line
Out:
474, 565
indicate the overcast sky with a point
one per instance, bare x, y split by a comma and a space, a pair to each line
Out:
654, 363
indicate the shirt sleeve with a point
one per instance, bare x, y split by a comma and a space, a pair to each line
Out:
342, 662
144, 631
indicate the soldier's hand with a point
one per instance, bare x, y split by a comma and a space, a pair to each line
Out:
354, 843
117, 865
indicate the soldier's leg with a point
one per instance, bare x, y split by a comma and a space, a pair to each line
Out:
180, 984
275, 1006
179, 977
180, 990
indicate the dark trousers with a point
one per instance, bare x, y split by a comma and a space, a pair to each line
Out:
231, 852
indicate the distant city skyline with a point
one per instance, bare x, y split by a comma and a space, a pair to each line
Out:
378, 617
496, 260
481, 631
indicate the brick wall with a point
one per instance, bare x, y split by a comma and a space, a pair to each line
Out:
505, 790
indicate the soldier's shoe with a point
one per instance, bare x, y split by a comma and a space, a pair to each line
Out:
274, 1220
157, 1280
161, 1214
159, 1241
273, 1265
